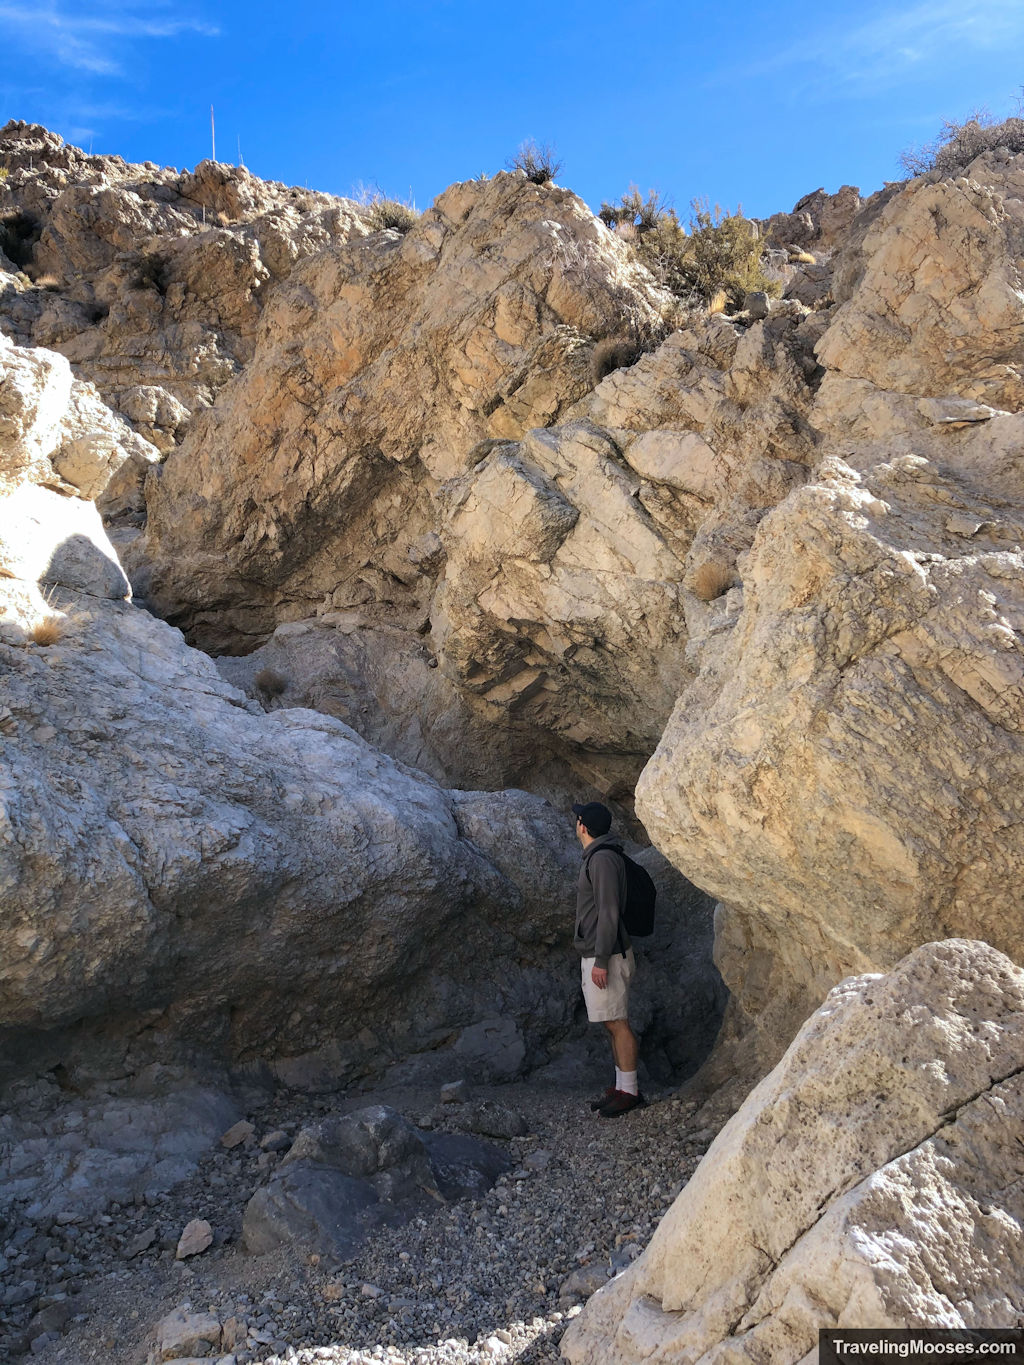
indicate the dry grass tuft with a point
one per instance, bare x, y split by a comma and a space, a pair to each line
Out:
385, 215
718, 301
47, 630
711, 579
802, 258
270, 683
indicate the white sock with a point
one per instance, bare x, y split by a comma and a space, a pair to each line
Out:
618, 1079
626, 1080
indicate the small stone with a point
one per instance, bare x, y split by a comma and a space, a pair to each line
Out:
537, 1161
182, 1334
277, 1141
756, 305
142, 1242
238, 1133
232, 1333
453, 1093
369, 1291
195, 1238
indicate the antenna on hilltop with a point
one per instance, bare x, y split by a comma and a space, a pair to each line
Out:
213, 137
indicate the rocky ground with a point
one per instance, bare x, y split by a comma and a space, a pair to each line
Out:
475, 1280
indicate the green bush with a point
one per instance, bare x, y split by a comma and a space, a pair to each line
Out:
537, 161
724, 252
720, 252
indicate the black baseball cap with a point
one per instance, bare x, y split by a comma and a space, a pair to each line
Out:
596, 818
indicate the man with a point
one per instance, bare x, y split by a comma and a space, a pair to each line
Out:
607, 960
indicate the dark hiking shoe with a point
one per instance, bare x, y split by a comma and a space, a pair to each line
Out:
603, 1099
621, 1102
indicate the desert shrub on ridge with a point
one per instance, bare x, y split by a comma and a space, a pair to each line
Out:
385, 214
721, 251
957, 144
536, 160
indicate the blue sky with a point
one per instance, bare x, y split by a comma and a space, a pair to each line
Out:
744, 103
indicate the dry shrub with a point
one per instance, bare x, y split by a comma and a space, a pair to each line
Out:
716, 304
385, 215
536, 160
802, 258
959, 143
613, 353
45, 281
270, 683
47, 630
636, 212
19, 233
711, 579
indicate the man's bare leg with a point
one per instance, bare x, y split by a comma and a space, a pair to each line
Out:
623, 1041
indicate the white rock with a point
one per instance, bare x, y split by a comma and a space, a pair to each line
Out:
866, 1182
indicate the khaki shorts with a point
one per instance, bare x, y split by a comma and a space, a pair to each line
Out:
613, 1001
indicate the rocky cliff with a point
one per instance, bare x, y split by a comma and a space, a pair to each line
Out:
778, 552
320, 541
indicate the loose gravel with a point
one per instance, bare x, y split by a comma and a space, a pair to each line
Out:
478, 1280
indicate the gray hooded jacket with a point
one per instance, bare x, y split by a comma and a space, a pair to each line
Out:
599, 898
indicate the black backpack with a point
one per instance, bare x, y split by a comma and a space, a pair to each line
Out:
637, 915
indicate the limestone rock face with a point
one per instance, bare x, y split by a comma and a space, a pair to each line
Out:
379, 365
905, 1212
152, 282
854, 720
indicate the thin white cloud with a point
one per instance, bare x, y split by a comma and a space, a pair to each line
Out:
96, 37
893, 43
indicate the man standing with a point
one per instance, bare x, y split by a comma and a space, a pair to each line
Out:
606, 954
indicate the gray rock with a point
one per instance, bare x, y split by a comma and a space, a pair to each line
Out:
277, 1141
492, 1119
345, 1175
757, 305
454, 1092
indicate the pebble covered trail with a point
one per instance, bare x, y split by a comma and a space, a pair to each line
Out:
479, 1280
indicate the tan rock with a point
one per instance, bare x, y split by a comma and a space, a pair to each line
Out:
185, 1333
938, 310
853, 720
238, 1133
195, 1238
380, 364
868, 1181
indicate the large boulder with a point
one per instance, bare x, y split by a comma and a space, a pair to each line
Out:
871, 1180
845, 771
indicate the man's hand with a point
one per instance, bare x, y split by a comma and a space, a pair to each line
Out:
599, 976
